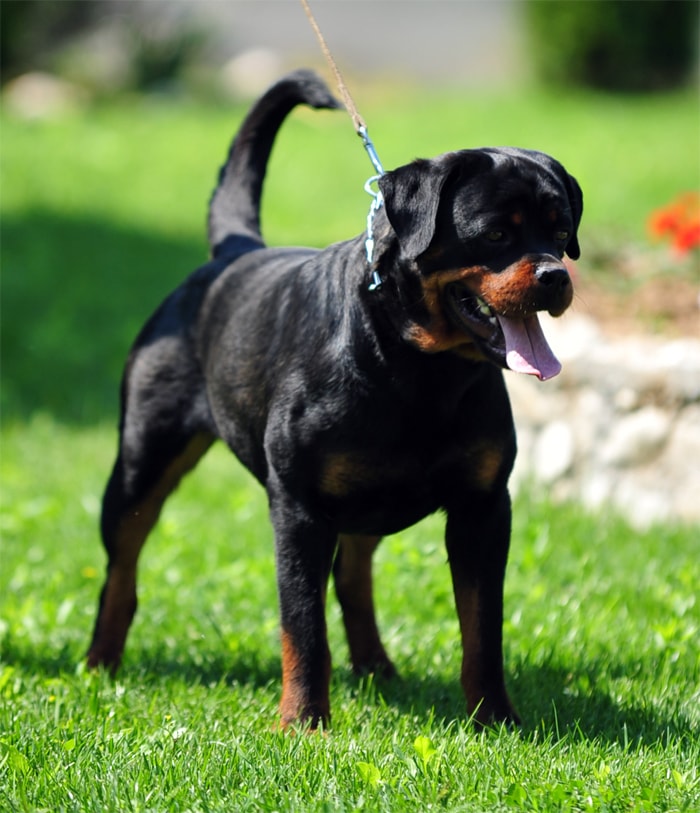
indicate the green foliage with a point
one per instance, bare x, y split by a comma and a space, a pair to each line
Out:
30, 31
72, 37
617, 45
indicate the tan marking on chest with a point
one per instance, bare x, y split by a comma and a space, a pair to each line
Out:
344, 473
488, 462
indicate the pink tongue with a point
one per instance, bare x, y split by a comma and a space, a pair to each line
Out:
527, 350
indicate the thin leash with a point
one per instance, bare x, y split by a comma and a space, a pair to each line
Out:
361, 130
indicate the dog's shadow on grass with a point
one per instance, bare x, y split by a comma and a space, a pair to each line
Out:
549, 707
569, 703
75, 295
246, 667
555, 703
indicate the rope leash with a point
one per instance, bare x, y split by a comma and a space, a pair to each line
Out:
361, 130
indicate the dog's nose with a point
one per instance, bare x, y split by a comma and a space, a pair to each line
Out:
554, 276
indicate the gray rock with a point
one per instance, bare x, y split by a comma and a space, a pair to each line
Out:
619, 427
637, 437
553, 453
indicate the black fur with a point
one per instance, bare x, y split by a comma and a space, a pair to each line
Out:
359, 411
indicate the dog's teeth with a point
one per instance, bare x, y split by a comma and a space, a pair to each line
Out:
484, 308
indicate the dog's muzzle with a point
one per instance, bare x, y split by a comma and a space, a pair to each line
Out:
556, 287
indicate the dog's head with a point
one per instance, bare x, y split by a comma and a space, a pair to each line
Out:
484, 233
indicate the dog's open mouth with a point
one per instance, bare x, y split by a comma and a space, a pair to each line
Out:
517, 343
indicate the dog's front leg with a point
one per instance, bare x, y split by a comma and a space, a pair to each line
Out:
304, 552
478, 538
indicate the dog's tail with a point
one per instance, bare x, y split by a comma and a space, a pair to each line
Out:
234, 209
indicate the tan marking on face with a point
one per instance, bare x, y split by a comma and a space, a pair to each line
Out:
512, 292
508, 292
505, 292
515, 291
517, 218
439, 334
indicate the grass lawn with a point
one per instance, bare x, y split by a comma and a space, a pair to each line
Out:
102, 213
601, 649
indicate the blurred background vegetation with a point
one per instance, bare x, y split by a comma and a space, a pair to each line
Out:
116, 116
615, 45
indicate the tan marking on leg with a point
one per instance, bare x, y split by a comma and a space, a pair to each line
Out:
292, 696
118, 605
298, 703
487, 704
467, 599
353, 583
118, 600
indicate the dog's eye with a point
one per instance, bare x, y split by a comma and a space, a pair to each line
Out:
562, 235
495, 236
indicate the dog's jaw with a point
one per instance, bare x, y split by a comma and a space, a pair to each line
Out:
485, 315
516, 343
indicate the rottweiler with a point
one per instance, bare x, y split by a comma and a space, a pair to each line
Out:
360, 408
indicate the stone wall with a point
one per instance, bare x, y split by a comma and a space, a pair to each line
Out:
619, 427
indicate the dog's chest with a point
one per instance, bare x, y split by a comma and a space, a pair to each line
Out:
381, 459
475, 465
383, 490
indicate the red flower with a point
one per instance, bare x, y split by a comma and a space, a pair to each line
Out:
687, 237
679, 222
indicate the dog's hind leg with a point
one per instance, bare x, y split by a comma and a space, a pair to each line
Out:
352, 572
131, 506
161, 439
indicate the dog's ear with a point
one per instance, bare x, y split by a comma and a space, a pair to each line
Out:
573, 190
411, 196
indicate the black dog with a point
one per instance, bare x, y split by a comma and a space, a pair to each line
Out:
360, 411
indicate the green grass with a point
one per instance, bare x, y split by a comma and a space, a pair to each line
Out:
601, 636
102, 213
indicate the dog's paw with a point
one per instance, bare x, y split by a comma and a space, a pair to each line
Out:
378, 665
492, 713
